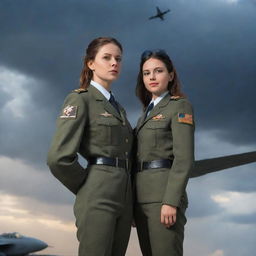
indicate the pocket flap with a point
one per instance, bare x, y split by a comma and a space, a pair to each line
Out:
108, 121
157, 124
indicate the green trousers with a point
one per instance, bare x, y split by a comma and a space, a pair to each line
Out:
154, 238
103, 211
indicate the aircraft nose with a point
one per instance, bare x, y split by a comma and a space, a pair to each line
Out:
41, 245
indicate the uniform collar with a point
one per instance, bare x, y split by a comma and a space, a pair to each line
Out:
100, 88
158, 99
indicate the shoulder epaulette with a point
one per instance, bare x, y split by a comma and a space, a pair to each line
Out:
80, 90
176, 97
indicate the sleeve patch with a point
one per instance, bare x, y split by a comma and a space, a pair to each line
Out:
185, 118
69, 112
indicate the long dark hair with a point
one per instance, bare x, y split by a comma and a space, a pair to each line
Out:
91, 51
174, 86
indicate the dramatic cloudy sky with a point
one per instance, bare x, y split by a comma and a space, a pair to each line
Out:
213, 45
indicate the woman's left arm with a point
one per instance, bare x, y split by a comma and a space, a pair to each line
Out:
182, 126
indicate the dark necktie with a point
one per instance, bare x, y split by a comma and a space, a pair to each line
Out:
149, 108
113, 102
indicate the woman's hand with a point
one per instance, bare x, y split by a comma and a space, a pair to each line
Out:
168, 215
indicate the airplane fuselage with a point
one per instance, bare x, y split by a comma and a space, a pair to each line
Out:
17, 245
159, 14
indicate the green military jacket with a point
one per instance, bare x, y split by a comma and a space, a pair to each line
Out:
91, 126
166, 133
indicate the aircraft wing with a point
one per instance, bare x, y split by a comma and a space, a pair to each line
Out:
153, 17
205, 166
166, 11
158, 10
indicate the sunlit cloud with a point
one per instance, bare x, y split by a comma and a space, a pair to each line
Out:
15, 84
232, 1
31, 218
13, 180
217, 253
236, 202
20, 209
229, 1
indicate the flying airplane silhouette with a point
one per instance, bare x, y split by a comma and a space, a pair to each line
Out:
159, 14
15, 244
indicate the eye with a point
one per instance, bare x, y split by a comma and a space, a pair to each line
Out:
146, 73
118, 59
159, 70
106, 57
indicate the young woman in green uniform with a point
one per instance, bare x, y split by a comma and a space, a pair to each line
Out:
94, 125
165, 155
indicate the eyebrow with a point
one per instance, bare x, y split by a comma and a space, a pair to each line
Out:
154, 68
111, 54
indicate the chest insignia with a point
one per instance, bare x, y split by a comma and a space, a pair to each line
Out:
106, 114
69, 112
158, 117
185, 118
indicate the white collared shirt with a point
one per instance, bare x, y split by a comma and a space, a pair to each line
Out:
158, 99
99, 87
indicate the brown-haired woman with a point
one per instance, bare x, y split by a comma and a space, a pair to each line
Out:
94, 125
165, 155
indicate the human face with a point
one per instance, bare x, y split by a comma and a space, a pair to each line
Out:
156, 77
106, 65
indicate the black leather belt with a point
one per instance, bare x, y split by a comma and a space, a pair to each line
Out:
161, 163
111, 161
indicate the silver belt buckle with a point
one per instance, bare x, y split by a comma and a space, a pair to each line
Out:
141, 166
116, 161
127, 163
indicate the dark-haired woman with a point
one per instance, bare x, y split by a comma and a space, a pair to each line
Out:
94, 125
165, 155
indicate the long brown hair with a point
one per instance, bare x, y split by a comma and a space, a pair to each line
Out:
174, 86
91, 52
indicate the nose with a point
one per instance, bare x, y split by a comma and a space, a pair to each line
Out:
114, 62
152, 76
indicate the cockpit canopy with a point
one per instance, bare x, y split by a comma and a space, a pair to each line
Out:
12, 235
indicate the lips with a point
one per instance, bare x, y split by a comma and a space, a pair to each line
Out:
113, 71
153, 84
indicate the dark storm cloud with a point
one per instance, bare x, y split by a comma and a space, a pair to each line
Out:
242, 219
201, 190
240, 179
17, 178
200, 202
4, 98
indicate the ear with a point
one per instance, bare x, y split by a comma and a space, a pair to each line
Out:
171, 76
90, 65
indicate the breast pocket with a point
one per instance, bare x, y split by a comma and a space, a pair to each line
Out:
108, 131
158, 132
